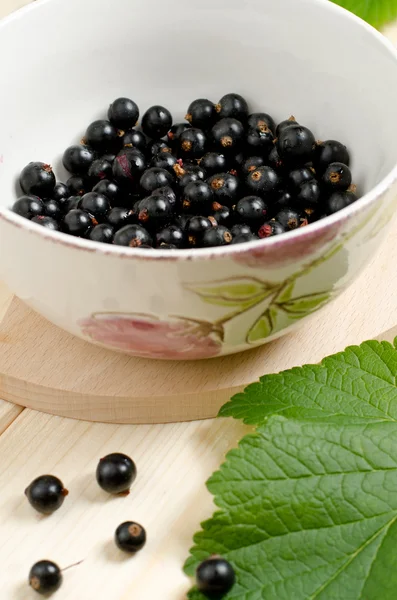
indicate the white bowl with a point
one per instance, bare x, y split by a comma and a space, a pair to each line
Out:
65, 60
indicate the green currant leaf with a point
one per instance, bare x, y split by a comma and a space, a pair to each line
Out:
375, 12
305, 304
243, 292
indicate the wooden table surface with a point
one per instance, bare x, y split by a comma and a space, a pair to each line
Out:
169, 497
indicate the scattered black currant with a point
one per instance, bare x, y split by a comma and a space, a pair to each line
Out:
167, 192
223, 215
213, 162
263, 181
133, 236
155, 178
157, 146
234, 106
120, 216
215, 577
251, 210
251, 164
329, 152
72, 202
202, 114
116, 472
78, 159
130, 537
95, 204
46, 494
78, 185
337, 177
171, 235
290, 219
61, 193
197, 197
217, 236
38, 179
296, 145
270, 229
100, 169
103, 233
261, 122
175, 132
285, 124
154, 211
109, 188
135, 139
109, 156
128, 167
53, 209
47, 222
102, 136
309, 193
28, 207
284, 199
339, 200
192, 143
297, 177
228, 135
226, 188
240, 229
45, 577
156, 122
242, 238
260, 142
164, 160
195, 228
123, 113
275, 161
78, 222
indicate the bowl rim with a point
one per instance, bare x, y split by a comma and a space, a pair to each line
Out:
287, 239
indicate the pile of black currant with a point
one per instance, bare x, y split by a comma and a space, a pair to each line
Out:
224, 176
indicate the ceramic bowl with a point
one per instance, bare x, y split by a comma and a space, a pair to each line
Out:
310, 58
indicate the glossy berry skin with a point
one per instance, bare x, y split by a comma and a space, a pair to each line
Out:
228, 135
240, 229
164, 160
71, 203
223, 215
46, 494
28, 207
202, 114
197, 197
156, 122
329, 152
130, 537
233, 106
119, 217
242, 238
78, 222
128, 167
102, 136
133, 236
123, 113
47, 222
270, 229
339, 200
251, 210
96, 204
260, 142
217, 236
167, 192
103, 233
213, 162
78, 185
109, 156
45, 577
225, 187
285, 124
251, 164
275, 161
284, 199
337, 177
109, 188
116, 472
299, 176
155, 178
157, 146
135, 139
263, 181
38, 179
192, 143
215, 577
78, 159
155, 210
309, 193
290, 219
260, 122
100, 169
53, 209
61, 193
296, 145
195, 228
171, 235
175, 132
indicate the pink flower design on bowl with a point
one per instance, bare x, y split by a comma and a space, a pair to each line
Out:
148, 337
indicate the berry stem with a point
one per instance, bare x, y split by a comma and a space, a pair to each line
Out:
73, 565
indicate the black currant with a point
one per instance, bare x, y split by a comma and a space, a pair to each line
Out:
284, 199
251, 210
263, 181
167, 192
128, 166
228, 135
339, 200
96, 204
175, 132
329, 152
196, 171
78, 222
183, 220
251, 164
71, 203
155, 210
309, 193
78, 159
192, 143
130, 537
197, 197
195, 228
290, 219
28, 207
274, 160
164, 160
133, 236
156, 122
337, 177
47, 222
155, 178
225, 187
222, 214
240, 229
38, 179
100, 169
157, 146
123, 113
171, 235
213, 162
260, 122
202, 114
234, 106
244, 237
109, 156
61, 193
260, 142
298, 176
135, 139
119, 217
109, 188
45, 577
270, 229
296, 145
103, 233
102, 136
215, 577
53, 209
217, 236
116, 472
46, 494
285, 124
78, 185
